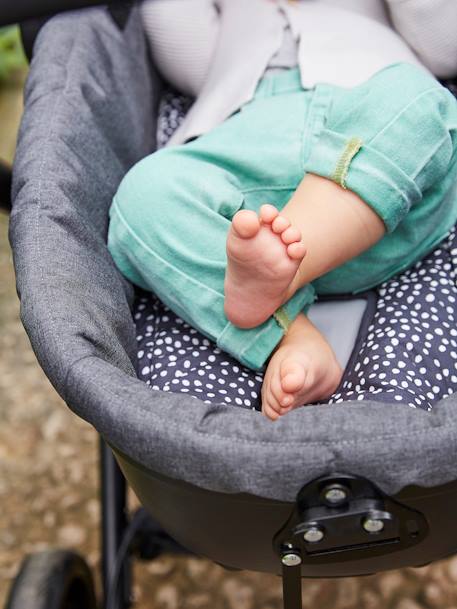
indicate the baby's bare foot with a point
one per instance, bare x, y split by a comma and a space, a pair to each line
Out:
264, 253
299, 372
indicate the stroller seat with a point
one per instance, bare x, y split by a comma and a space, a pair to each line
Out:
384, 340
225, 482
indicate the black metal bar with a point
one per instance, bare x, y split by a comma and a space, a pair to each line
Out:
5, 187
114, 523
15, 11
291, 586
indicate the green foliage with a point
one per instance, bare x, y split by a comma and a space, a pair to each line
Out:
11, 53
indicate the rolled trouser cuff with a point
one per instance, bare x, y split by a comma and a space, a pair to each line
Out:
254, 346
358, 167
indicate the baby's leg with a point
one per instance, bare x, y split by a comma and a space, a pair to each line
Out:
336, 225
266, 254
403, 176
368, 144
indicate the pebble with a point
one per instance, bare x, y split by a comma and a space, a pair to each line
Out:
347, 593
408, 603
93, 509
451, 569
390, 583
71, 535
49, 519
167, 597
370, 599
70, 501
198, 601
195, 567
160, 566
239, 596
7, 538
435, 595
53, 426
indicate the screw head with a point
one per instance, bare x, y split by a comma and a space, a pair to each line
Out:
291, 559
335, 495
372, 525
313, 534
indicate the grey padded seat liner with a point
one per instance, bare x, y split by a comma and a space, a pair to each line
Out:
91, 100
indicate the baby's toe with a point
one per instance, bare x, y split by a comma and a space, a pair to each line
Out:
296, 251
268, 213
245, 224
290, 235
271, 394
269, 411
278, 397
293, 376
288, 409
280, 224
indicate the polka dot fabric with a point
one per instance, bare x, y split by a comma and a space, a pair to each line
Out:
172, 109
410, 352
172, 356
409, 355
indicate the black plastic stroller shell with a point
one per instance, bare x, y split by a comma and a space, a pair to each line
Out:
345, 490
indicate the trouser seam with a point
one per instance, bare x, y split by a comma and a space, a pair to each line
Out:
314, 121
267, 187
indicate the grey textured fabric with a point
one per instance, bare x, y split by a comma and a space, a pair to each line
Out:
88, 117
90, 105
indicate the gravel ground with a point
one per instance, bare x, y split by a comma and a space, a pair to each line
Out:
48, 490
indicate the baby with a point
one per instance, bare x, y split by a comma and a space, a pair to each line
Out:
304, 191
267, 262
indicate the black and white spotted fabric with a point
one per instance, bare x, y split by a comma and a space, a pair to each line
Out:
172, 109
409, 355
172, 356
410, 351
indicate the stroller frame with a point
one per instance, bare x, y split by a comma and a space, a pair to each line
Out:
331, 499
122, 537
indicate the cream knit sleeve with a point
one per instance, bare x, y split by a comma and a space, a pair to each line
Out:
182, 35
430, 29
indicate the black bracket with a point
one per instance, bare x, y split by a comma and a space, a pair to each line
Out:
340, 518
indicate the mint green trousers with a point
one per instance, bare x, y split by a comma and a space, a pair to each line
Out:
391, 139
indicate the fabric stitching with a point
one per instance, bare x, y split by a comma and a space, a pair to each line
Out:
299, 442
282, 318
318, 107
341, 169
267, 187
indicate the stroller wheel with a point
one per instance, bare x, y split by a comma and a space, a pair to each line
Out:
55, 579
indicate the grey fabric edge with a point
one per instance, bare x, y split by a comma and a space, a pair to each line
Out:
228, 449
59, 217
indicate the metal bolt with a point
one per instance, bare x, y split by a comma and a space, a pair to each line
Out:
291, 559
313, 535
372, 525
335, 495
